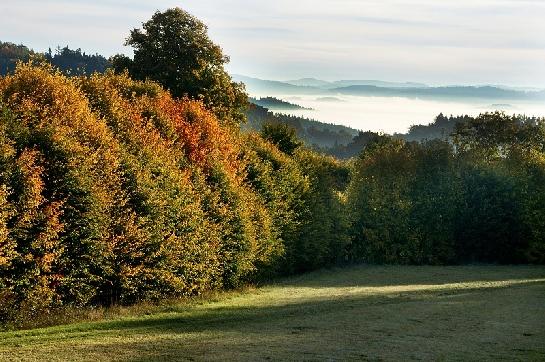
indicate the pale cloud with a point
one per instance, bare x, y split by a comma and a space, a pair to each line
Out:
462, 41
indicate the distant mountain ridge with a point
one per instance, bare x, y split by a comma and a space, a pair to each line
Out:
312, 86
487, 92
310, 82
256, 86
313, 82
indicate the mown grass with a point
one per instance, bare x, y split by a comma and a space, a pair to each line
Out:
359, 313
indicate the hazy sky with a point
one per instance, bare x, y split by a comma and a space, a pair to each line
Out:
434, 41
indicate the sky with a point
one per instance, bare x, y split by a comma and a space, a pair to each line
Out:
432, 41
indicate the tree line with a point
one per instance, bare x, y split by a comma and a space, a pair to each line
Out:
73, 62
112, 191
475, 199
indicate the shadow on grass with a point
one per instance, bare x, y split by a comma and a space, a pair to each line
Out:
335, 326
402, 275
203, 318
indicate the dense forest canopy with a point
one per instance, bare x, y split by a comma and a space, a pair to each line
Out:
115, 190
76, 62
475, 199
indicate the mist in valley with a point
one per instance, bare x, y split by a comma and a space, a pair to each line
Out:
396, 114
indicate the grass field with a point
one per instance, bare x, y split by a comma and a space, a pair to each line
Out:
357, 313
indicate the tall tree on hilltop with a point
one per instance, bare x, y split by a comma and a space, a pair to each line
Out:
173, 48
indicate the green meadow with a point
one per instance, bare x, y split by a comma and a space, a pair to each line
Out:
353, 313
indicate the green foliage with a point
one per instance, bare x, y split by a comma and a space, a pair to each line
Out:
282, 135
173, 49
478, 200
279, 182
324, 233
503, 157
380, 203
303, 195
490, 229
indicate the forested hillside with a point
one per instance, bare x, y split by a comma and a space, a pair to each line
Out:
275, 104
74, 62
344, 142
314, 134
10, 54
442, 128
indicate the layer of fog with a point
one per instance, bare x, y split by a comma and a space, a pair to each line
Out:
396, 114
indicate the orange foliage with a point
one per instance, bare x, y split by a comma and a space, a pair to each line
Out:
122, 193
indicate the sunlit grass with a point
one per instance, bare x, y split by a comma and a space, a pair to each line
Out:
394, 313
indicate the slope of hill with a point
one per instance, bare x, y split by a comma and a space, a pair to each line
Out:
441, 128
312, 133
275, 104
345, 142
